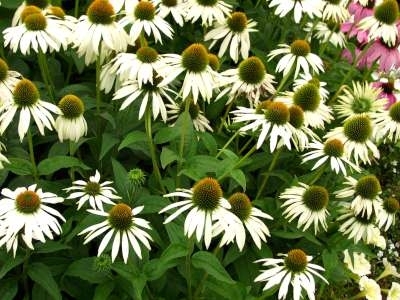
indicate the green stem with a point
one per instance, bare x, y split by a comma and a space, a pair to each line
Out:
32, 156
270, 168
188, 268
71, 145
27, 290
44, 70
98, 92
142, 40
224, 116
283, 80
237, 132
182, 143
251, 151
76, 9
250, 140
156, 169
318, 174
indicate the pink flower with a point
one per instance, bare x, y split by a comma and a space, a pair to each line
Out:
388, 91
353, 31
362, 62
389, 57
360, 12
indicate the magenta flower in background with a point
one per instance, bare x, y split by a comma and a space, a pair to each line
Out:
359, 11
390, 85
388, 57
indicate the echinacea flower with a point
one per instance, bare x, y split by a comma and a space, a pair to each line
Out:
41, 4
330, 152
294, 269
175, 8
71, 124
234, 33
121, 225
369, 288
299, 7
335, 10
383, 24
208, 11
327, 32
37, 32
93, 191
143, 18
26, 101
97, 34
250, 217
308, 78
8, 80
386, 217
387, 57
357, 263
387, 124
389, 83
308, 204
24, 213
207, 206
296, 56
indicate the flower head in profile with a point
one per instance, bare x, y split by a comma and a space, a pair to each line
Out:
41, 4
299, 7
394, 292
71, 125
356, 134
8, 81
294, 269
26, 101
387, 215
370, 288
93, 191
387, 124
297, 56
357, 263
335, 10
383, 24
121, 225
207, 206
250, 218
97, 34
234, 33
250, 79
389, 270
364, 194
25, 213
143, 18
208, 11
308, 204
37, 32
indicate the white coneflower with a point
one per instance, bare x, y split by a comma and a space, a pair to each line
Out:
92, 191
335, 10
330, 152
24, 213
8, 81
386, 216
234, 33
308, 204
67, 21
356, 136
71, 125
250, 79
327, 32
387, 124
308, 78
294, 269
199, 76
383, 24
297, 55
251, 220
271, 119
41, 4
364, 193
143, 19
299, 7
200, 122
37, 32
26, 101
308, 97
175, 8
362, 98
207, 206
357, 263
124, 227
206, 10
97, 33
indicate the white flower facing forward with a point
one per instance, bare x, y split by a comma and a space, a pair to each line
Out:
250, 219
357, 263
199, 76
330, 152
37, 32
299, 7
356, 136
124, 227
295, 269
97, 33
308, 78
8, 81
206, 10
387, 124
250, 79
175, 8
26, 100
362, 98
234, 33
364, 193
387, 215
308, 204
297, 56
369, 288
207, 206
383, 24
24, 213
272, 118
93, 191
71, 125
143, 18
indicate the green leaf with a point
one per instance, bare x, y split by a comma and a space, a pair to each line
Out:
131, 138
52, 164
151, 203
10, 264
107, 116
209, 263
239, 177
167, 156
108, 141
51, 246
166, 134
199, 166
287, 235
84, 269
19, 166
133, 275
103, 290
209, 142
121, 177
41, 274
8, 288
